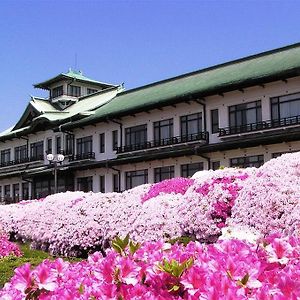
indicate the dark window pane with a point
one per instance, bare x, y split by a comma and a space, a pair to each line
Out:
135, 178
163, 173
188, 170
247, 161
102, 142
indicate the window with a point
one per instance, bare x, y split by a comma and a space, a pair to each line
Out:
214, 120
37, 150
74, 90
277, 154
85, 145
58, 145
248, 161
191, 124
246, 113
49, 146
163, 173
5, 156
116, 183
285, 106
16, 192
70, 144
7, 191
189, 170
21, 153
136, 135
91, 91
115, 139
216, 165
135, 178
85, 184
58, 91
102, 183
25, 191
163, 129
102, 142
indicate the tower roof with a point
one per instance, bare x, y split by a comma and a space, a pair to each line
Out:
73, 75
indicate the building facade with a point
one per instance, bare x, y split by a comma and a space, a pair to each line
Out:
239, 114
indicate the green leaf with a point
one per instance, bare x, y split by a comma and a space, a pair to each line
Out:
126, 241
81, 289
245, 279
117, 247
133, 247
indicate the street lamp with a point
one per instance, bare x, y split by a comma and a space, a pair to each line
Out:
59, 158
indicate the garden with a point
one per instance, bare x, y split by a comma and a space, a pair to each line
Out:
225, 234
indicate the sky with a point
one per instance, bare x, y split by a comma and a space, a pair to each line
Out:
135, 42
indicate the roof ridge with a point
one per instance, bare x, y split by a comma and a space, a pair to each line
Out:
228, 63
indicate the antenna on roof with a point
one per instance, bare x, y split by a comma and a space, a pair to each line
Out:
75, 67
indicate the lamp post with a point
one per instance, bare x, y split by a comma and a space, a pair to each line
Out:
54, 160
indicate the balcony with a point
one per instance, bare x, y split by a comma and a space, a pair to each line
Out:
196, 137
82, 156
21, 161
263, 125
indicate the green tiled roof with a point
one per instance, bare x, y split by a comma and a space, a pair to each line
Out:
265, 67
71, 74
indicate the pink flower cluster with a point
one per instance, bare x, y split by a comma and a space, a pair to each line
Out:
230, 269
177, 185
8, 248
222, 207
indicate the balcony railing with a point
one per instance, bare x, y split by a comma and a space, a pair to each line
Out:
200, 136
22, 161
263, 125
82, 156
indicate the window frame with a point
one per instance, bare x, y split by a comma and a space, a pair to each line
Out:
160, 172
136, 135
35, 150
102, 142
84, 145
57, 91
188, 119
159, 125
214, 121
130, 175
245, 161
115, 140
188, 168
234, 109
74, 90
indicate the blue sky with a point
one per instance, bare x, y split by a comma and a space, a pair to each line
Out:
136, 42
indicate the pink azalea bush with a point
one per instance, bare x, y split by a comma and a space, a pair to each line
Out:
265, 199
230, 269
8, 248
175, 185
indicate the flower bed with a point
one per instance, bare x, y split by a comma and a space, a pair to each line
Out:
75, 223
229, 269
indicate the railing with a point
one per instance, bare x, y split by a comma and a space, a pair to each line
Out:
64, 94
263, 125
82, 156
22, 161
164, 142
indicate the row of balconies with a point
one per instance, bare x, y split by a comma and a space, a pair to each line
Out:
173, 141
263, 125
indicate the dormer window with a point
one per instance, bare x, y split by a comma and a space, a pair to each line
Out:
58, 91
91, 91
74, 91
